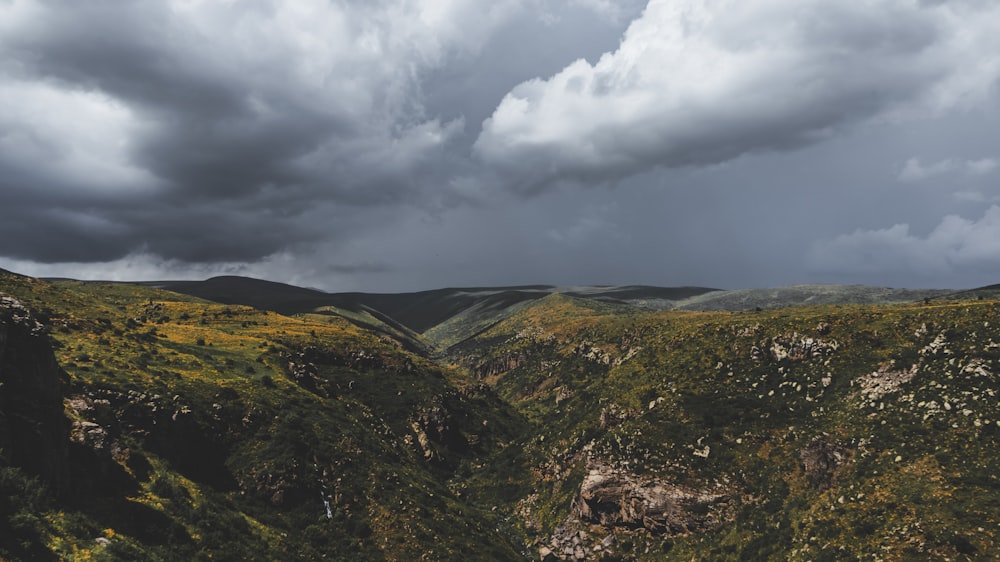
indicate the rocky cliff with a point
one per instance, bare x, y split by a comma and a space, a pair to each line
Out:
33, 429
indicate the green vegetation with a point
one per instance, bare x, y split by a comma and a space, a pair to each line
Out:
554, 426
814, 433
212, 431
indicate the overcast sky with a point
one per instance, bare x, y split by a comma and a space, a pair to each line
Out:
390, 145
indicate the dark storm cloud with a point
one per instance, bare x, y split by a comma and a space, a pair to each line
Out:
229, 125
129, 49
354, 268
50, 220
391, 144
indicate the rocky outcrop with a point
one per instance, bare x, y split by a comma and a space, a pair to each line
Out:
614, 415
885, 381
589, 351
617, 502
793, 347
498, 365
357, 359
820, 461
195, 442
306, 375
303, 367
437, 432
618, 499
34, 431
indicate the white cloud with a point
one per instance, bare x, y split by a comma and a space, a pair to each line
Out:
956, 245
135, 267
144, 266
974, 197
704, 81
981, 167
914, 170
353, 67
153, 115
83, 137
612, 9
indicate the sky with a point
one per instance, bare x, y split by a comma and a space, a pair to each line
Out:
398, 145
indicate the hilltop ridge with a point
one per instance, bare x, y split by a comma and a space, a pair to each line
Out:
444, 313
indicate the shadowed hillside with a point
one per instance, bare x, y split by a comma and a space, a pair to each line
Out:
446, 316
405, 315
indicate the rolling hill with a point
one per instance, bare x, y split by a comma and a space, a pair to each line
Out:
446, 316
579, 423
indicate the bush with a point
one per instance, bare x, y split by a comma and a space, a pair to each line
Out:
23, 499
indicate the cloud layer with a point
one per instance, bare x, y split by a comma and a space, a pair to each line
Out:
195, 129
701, 82
397, 144
914, 170
954, 244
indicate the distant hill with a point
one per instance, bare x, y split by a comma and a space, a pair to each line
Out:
265, 295
806, 295
440, 312
417, 311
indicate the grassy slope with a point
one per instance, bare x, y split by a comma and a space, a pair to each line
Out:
571, 383
244, 472
918, 481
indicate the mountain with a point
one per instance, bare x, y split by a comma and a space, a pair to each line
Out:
582, 423
265, 295
446, 316
418, 311
442, 316
806, 295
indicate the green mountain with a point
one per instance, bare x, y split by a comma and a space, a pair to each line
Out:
586, 423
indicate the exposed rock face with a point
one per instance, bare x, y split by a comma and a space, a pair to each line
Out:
820, 460
34, 432
195, 444
794, 347
588, 351
303, 366
498, 366
614, 415
435, 430
616, 502
306, 375
885, 381
618, 499
359, 359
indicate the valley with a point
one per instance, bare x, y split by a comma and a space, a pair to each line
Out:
240, 419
